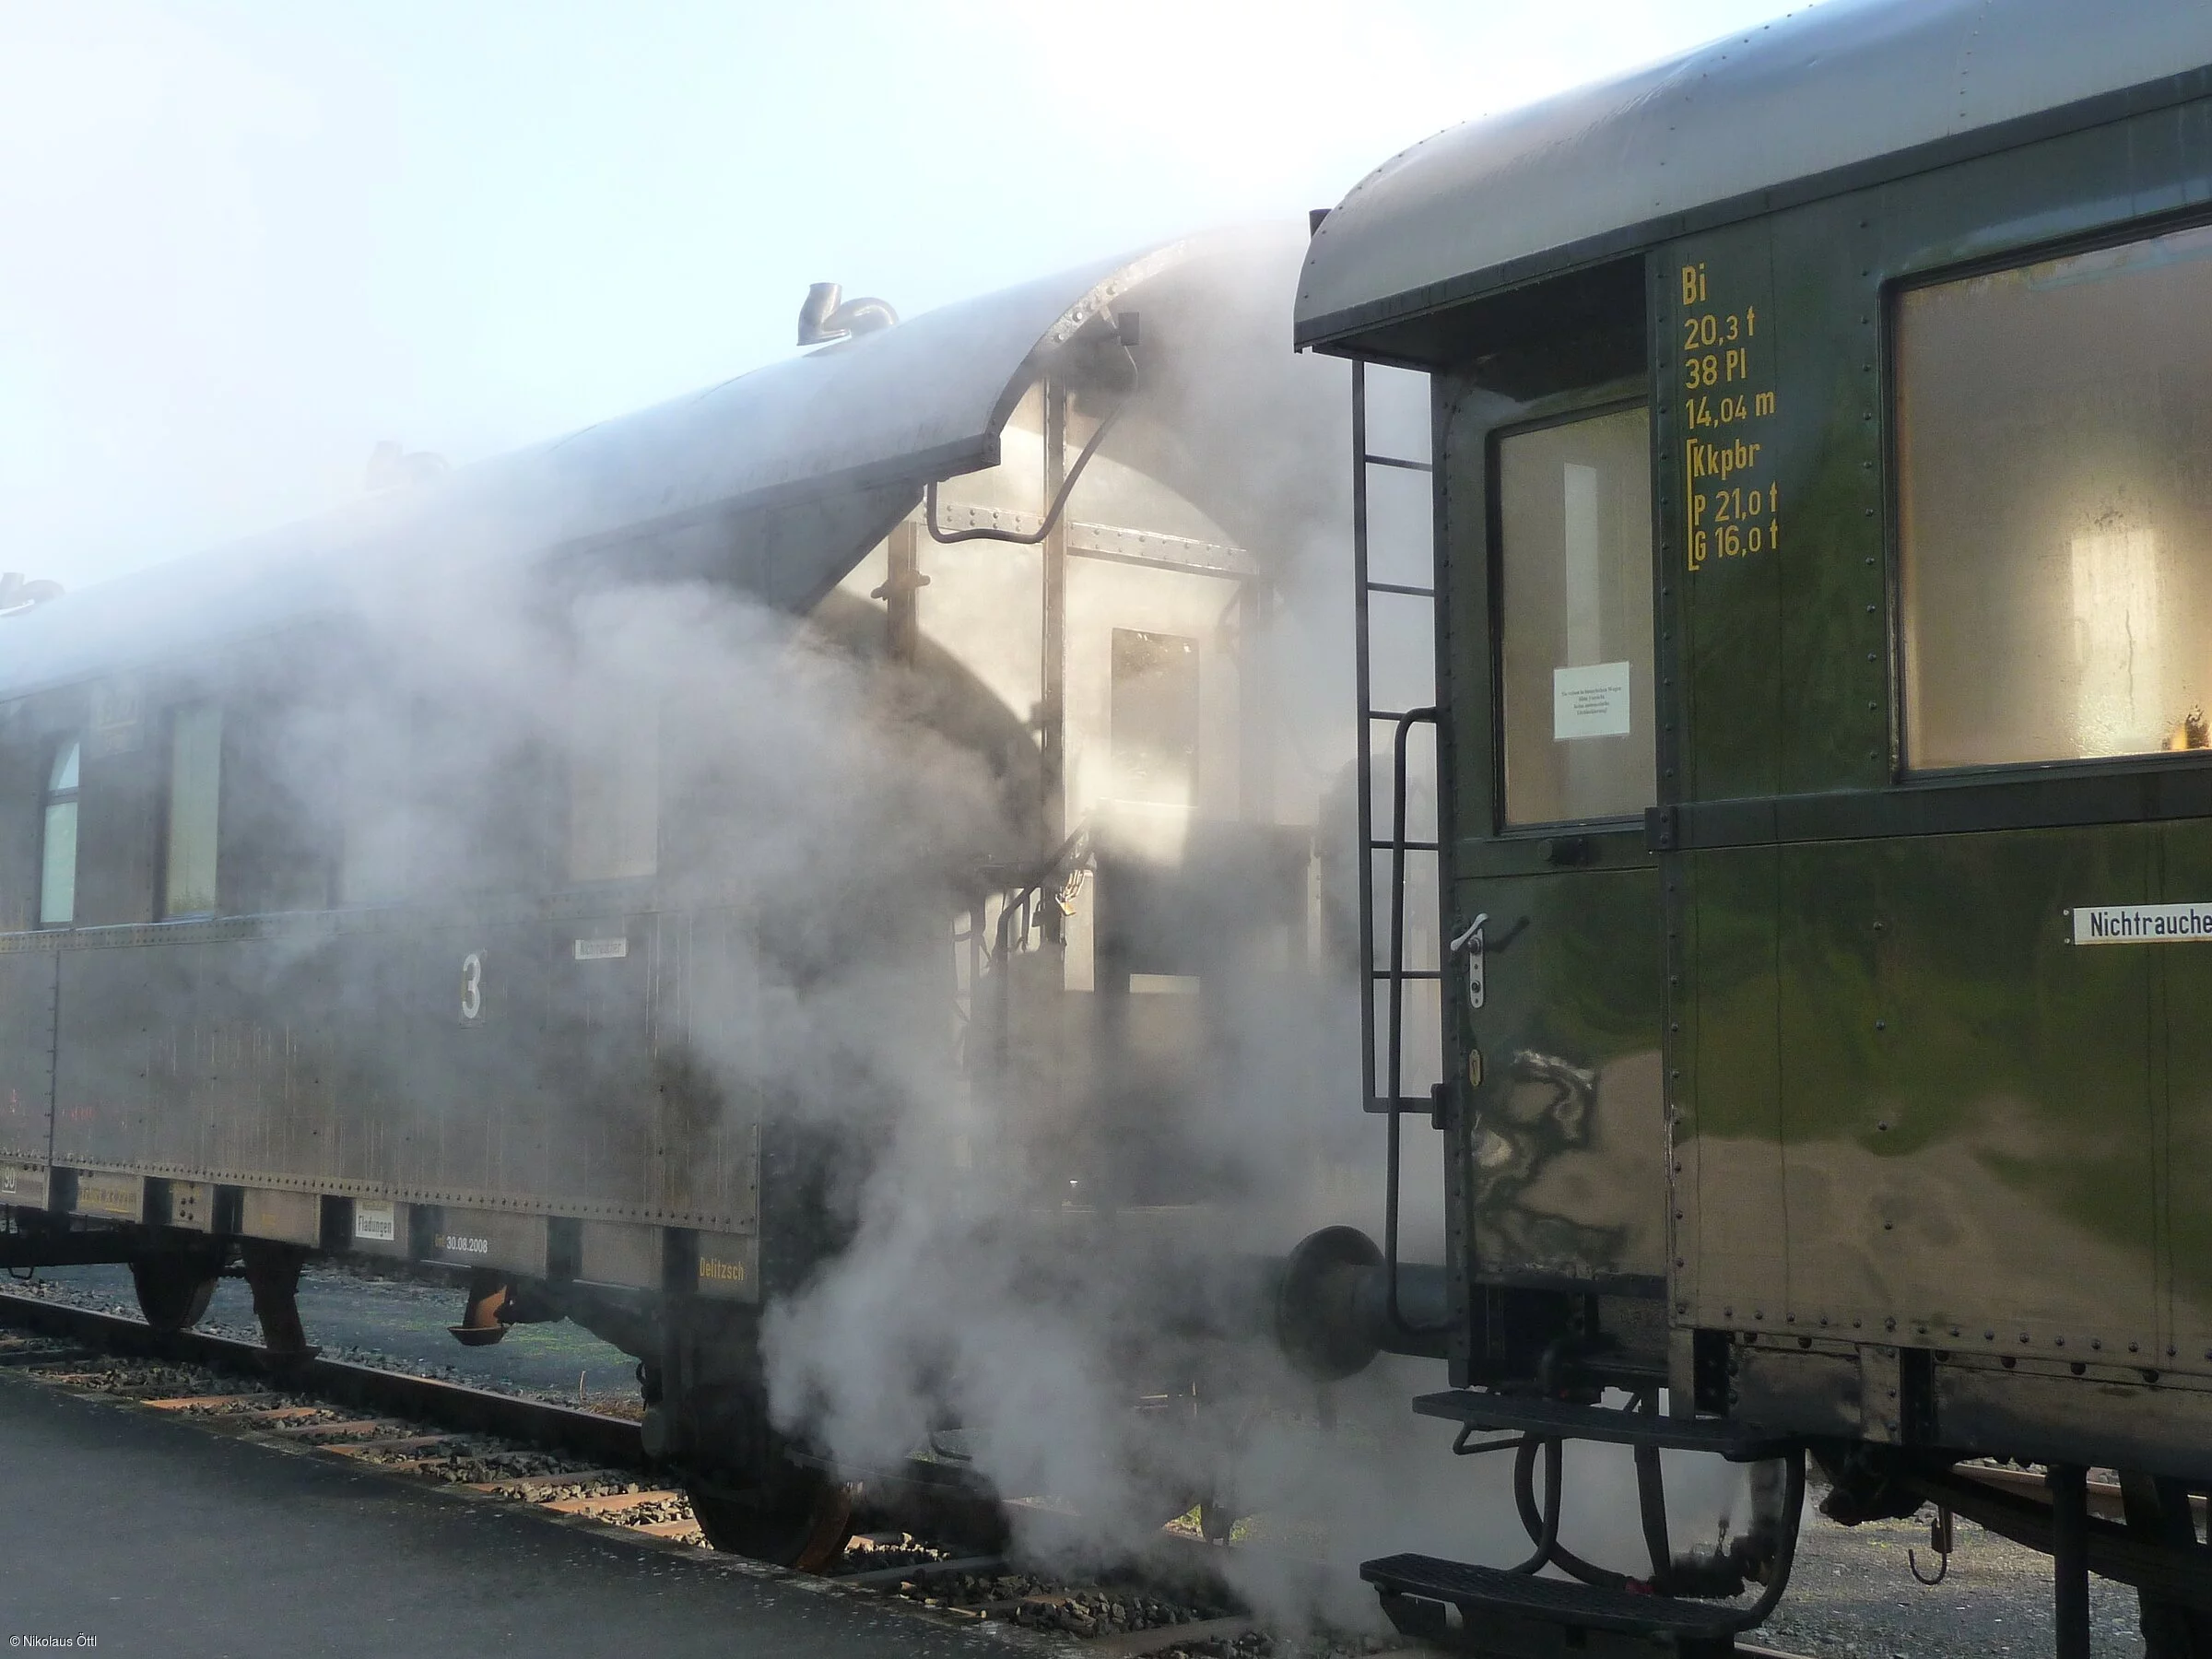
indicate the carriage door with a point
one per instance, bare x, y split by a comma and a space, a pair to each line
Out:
1558, 994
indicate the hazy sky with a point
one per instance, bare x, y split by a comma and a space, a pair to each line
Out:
243, 242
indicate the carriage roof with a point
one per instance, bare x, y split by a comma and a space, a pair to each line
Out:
1827, 99
878, 415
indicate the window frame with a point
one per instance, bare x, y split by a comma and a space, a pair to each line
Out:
1572, 408
1901, 772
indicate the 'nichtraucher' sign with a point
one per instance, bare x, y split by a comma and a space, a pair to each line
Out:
2143, 924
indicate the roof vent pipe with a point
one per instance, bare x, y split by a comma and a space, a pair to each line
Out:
823, 319
393, 467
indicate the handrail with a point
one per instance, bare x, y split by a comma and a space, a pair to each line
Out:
1394, 1108
1125, 336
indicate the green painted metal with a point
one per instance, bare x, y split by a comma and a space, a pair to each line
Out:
1894, 1104
1916, 1109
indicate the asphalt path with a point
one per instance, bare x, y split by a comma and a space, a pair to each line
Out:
152, 1537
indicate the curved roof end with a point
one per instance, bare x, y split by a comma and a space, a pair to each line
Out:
1812, 104
891, 409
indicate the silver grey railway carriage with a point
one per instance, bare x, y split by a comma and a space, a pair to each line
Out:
359, 898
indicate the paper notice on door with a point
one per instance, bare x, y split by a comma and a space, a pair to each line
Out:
1590, 702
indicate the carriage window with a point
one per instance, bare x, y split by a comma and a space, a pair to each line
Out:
1154, 717
195, 777
376, 813
1574, 629
614, 789
58, 856
2056, 507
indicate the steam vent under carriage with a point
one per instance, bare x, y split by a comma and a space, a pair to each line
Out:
1821, 576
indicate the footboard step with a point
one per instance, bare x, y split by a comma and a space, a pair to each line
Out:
1522, 1414
1515, 1614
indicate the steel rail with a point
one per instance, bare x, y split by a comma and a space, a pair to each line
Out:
457, 1406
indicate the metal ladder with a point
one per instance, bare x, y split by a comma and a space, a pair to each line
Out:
1390, 978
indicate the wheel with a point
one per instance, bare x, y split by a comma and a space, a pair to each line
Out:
799, 1517
173, 1291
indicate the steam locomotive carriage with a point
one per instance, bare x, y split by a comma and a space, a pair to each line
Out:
1821, 576
446, 881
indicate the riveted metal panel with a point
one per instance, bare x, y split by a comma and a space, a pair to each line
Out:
189, 1204
729, 1267
470, 1238
2181, 1113
23, 1186
290, 1218
28, 985
1729, 1138
1804, 1392
330, 1055
1968, 1100
615, 1252
2108, 1417
108, 1194
1567, 1177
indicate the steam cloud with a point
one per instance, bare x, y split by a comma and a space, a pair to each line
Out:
836, 803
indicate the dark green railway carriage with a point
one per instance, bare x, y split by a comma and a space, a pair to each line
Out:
1823, 597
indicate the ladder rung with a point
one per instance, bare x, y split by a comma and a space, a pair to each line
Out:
1382, 976
1399, 587
1394, 461
1409, 846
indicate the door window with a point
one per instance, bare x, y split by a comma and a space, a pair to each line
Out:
1575, 619
1154, 717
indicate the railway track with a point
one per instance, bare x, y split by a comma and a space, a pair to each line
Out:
588, 1469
